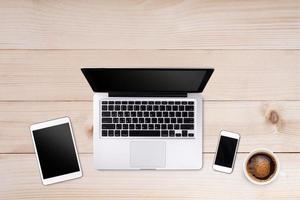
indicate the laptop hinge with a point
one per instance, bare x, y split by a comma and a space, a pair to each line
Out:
147, 94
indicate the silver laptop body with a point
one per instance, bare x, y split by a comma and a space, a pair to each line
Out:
142, 130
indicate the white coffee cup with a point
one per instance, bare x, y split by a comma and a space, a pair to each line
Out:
254, 180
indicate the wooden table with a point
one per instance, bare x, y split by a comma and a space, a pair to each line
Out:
255, 90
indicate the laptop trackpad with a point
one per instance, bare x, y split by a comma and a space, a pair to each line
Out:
148, 155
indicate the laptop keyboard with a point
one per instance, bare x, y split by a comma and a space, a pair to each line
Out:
147, 119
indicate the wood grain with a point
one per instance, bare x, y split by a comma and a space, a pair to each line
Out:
254, 47
253, 120
198, 184
239, 75
139, 24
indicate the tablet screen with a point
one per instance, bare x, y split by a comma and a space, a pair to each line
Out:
55, 149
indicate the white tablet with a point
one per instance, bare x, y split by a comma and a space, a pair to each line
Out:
55, 150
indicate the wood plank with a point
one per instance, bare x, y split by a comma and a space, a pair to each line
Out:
24, 182
192, 24
274, 125
239, 75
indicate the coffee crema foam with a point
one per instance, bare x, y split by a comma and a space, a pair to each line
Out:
261, 167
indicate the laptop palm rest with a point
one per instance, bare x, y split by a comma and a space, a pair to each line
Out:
148, 154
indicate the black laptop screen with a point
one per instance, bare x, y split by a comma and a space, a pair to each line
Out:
147, 80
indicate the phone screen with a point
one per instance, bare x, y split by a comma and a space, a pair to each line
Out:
226, 151
56, 150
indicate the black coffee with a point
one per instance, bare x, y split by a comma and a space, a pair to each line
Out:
261, 166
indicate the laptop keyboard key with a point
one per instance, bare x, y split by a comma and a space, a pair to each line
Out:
171, 133
164, 133
144, 126
141, 120
188, 120
110, 133
105, 114
179, 120
160, 120
119, 126
154, 120
146, 114
136, 108
108, 126
158, 114
189, 108
187, 126
191, 114
117, 107
171, 114
117, 133
104, 133
115, 120
138, 126
167, 120
124, 133
173, 120
176, 126
144, 133
114, 114
157, 126
147, 120
162, 108
106, 120
143, 108
152, 114
131, 126
184, 133
134, 120
151, 126
191, 134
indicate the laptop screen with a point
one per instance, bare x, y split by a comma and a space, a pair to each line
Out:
147, 80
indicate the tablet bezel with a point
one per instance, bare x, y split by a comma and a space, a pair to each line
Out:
49, 124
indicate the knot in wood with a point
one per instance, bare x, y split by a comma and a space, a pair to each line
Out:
273, 117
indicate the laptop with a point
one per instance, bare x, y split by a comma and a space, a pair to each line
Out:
147, 118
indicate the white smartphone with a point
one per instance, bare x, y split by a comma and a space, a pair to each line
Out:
226, 151
55, 150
